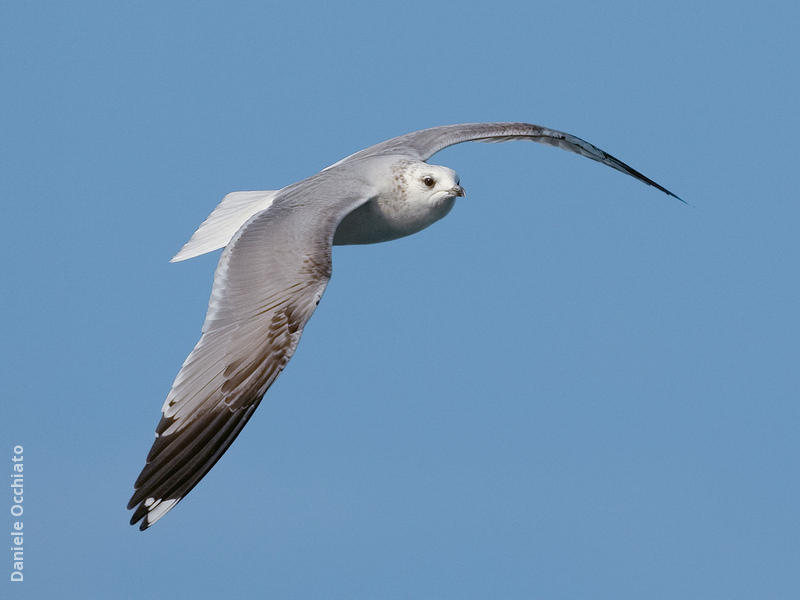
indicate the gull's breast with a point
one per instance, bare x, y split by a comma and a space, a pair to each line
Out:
387, 218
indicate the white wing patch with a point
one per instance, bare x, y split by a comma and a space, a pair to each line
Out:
158, 508
224, 221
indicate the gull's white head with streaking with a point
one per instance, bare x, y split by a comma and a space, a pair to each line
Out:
414, 196
273, 271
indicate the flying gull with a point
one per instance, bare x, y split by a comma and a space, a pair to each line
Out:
271, 276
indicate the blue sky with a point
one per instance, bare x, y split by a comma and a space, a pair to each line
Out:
571, 387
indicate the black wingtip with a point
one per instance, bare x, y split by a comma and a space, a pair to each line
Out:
649, 181
676, 196
138, 514
637, 175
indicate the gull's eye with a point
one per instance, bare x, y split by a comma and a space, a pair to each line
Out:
428, 180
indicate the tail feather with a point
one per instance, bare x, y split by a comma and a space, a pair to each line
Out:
224, 221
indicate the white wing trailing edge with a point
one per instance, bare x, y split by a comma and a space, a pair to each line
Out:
224, 221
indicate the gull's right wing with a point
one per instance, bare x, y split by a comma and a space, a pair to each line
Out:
269, 280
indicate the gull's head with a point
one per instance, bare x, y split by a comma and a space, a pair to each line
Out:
432, 185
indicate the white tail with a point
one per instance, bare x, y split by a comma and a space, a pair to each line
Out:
218, 228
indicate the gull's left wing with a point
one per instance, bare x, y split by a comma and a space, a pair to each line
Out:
423, 144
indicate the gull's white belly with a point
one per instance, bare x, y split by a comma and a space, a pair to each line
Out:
383, 219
